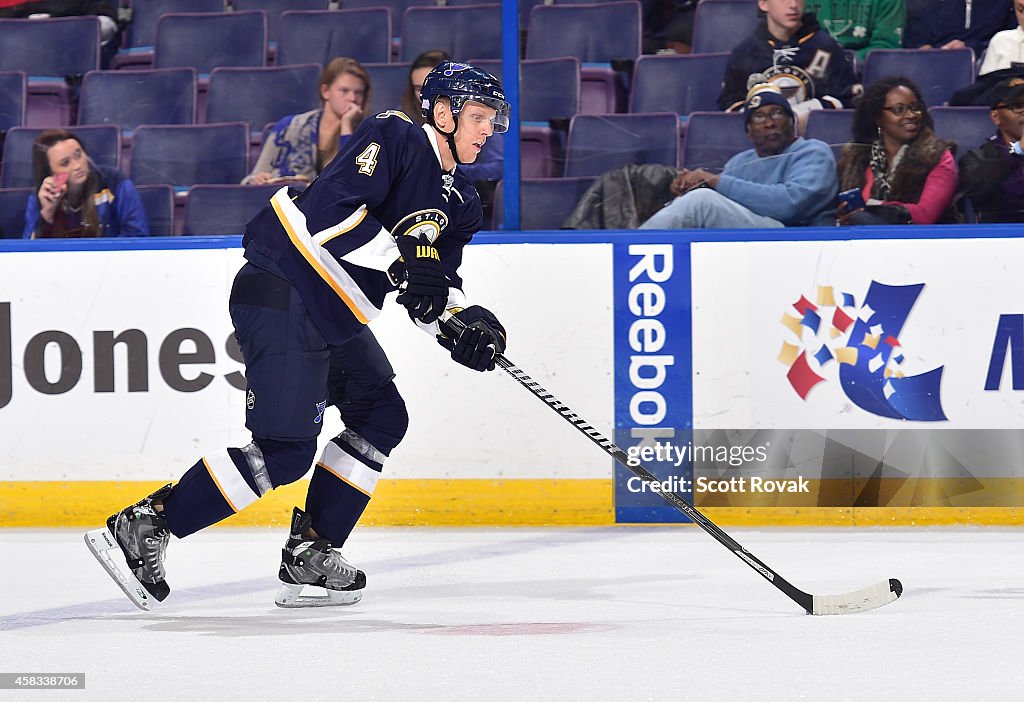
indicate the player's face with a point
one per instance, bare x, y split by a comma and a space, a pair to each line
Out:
69, 157
786, 14
346, 90
476, 125
905, 126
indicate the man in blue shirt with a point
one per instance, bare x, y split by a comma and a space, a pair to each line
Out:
783, 181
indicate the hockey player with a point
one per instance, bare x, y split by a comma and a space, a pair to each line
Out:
392, 210
790, 50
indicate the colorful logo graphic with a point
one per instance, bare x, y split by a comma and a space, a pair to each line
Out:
859, 344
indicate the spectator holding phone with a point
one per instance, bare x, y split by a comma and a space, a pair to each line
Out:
77, 198
300, 146
906, 174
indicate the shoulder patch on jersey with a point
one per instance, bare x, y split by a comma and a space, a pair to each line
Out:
394, 113
429, 222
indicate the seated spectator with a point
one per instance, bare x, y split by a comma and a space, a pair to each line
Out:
954, 24
299, 146
77, 198
905, 173
790, 49
992, 176
862, 25
784, 181
489, 166
1006, 47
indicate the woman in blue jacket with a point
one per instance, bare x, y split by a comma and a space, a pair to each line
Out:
77, 198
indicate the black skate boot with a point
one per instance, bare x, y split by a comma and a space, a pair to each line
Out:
140, 532
306, 561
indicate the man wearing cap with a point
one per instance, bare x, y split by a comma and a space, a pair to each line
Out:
783, 181
992, 175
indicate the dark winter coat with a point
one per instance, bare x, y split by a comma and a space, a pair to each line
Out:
993, 179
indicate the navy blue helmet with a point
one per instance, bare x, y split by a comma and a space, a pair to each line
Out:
461, 82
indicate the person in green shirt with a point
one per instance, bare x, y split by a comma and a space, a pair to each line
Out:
862, 25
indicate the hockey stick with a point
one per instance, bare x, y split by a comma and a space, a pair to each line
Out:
858, 601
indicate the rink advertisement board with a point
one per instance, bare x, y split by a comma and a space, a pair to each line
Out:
861, 373
780, 380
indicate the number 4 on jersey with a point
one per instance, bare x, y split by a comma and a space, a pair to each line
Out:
367, 160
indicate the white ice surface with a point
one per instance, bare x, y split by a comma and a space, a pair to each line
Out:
530, 614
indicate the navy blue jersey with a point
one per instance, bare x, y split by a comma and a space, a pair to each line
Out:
336, 241
810, 65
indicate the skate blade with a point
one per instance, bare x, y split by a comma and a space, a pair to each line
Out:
290, 597
106, 550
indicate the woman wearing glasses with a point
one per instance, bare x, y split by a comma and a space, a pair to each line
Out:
905, 173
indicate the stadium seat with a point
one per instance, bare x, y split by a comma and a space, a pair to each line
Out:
158, 202
712, 138
602, 34
937, 72
682, 83
12, 211
600, 143
49, 52
182, 156
834, 127
101, 142
969, 127
722, 24
219, 210
468, 31
274, 10
140, 35
546, 202
12, 99
318, 37
549, 98
388, 82
205, 41
133, 97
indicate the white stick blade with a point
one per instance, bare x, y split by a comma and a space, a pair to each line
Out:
859, 601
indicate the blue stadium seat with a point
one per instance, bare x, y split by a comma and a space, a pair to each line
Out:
600, 143
467, 31
261, 95
712, 138
549, 90
601, 34
140, 36
48, 51
546, 202
183, 156
681, 83
937, 72
388, 82
833, 127
205, 41
721, 25
274, 10
221, 210
133, 97
318, 37
969, 127
158, 202
12, 99
12, 211
101, 142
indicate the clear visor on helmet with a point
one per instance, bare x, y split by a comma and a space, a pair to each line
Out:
500, 107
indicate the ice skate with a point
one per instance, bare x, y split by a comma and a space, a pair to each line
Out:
309, 562
131, 549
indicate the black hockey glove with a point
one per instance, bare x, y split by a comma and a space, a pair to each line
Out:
482, 340
425, 291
